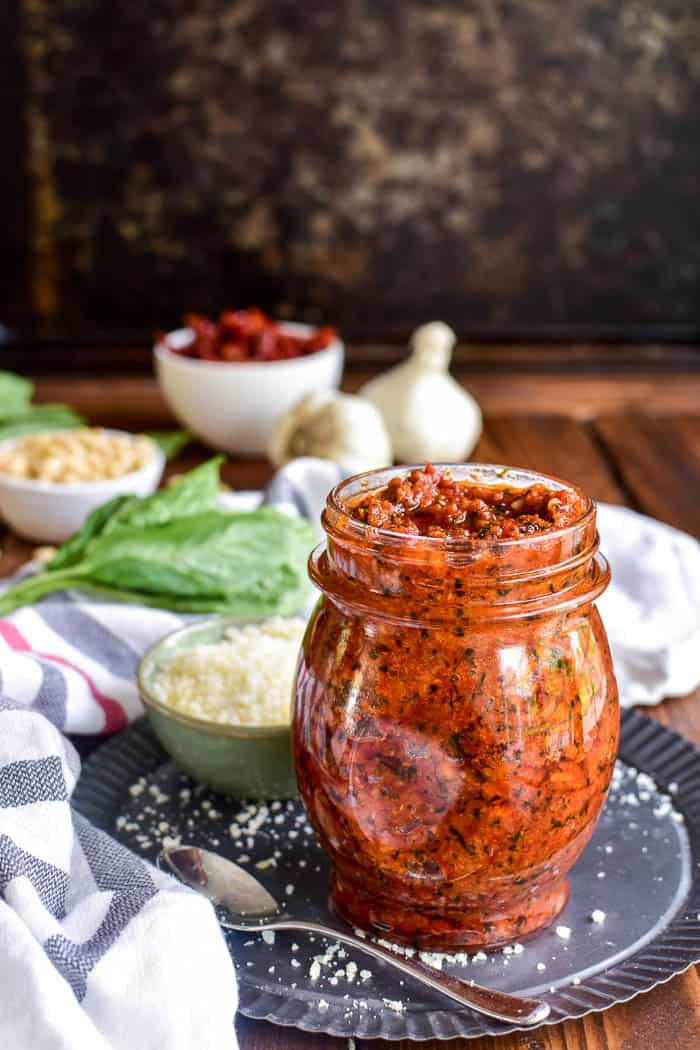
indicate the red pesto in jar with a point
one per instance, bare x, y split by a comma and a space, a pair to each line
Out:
456, 715
431, 503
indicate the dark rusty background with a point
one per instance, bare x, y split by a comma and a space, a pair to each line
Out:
509, 166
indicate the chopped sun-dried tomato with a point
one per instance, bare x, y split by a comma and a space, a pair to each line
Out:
247, 335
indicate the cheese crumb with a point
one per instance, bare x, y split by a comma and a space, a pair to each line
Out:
564, 932
645, 782
268, 936
597, 916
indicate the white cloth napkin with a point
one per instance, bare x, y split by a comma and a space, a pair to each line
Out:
652, 608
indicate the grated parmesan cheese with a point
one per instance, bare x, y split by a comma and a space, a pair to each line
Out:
245, 679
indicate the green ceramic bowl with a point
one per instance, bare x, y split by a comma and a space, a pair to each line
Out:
244, 761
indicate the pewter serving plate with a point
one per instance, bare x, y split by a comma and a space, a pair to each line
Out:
641, 868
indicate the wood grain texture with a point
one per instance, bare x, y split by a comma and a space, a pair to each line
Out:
663, 1018
645, 458
553, 444
136, 401
658, 459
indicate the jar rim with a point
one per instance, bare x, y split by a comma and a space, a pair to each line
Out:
337, 508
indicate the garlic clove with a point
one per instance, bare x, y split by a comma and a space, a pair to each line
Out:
433, 344
445, 435
428, 415
344, 428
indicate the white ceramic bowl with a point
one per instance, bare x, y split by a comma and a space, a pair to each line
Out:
233, 406
50, 512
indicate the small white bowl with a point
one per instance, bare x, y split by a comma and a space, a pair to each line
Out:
50, 512
233, 406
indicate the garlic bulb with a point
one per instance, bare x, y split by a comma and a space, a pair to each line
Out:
341, 427
429, 416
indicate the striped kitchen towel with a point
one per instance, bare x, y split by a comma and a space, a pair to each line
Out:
98, 949
73, 659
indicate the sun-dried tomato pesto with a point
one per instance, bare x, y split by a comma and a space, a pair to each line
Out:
431, 502
456, 717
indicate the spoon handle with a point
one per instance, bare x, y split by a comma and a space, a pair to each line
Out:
515, 1009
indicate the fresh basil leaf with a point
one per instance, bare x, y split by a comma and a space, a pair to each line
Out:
39, 417
216, 554
177, 550
15, 394
72, 550
193, 493
190, 494
170, 441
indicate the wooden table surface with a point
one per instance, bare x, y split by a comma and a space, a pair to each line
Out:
631, 437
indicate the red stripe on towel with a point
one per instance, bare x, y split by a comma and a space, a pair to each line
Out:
115, 716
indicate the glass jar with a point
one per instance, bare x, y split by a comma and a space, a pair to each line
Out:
456, 720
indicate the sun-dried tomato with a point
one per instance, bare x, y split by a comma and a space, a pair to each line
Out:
247, 335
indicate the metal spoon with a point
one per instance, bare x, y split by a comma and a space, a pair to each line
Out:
249, 907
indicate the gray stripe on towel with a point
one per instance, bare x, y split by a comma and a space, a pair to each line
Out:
51, 698
89, 636
113, 868
50, 882
32, 780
